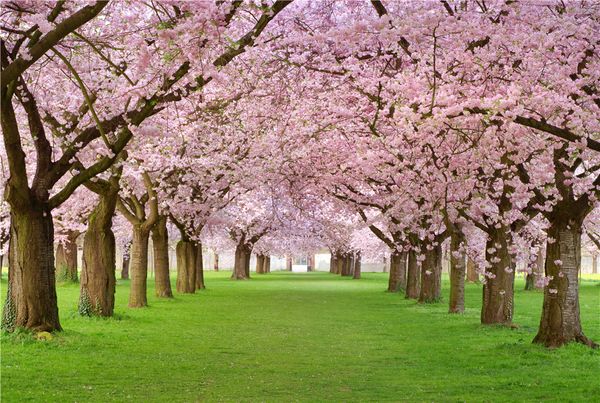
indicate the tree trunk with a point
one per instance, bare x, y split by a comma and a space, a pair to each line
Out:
160, 245
560, 322
66, 258
498, 288
472, 275
139, 267
199, 267
242, 262
31, 292
594, 264
395, 281
267, 264
385, 265
431, 275
412, 276
186, 267
288, 263
532, 280
216, 262
457, 272
126, 260
357, 267
260, 261
347, 265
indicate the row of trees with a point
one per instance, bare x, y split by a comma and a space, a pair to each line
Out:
282, 127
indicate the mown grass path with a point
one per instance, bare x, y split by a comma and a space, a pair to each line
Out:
289, 337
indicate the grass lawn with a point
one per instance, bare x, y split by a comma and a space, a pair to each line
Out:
312, 337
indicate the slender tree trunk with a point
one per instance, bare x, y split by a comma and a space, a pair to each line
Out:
260, 261
431, 275
472, 275
560, 323
357, 267
199, 268
66, 258
31, 292
186, 267
332, 263
267, 264
594, 264
139, 267
498, 288
412, 276
457, 272
242, 262
160, 245
394, 280
288, 263
97, 291
537, 271
126, 260
216, 262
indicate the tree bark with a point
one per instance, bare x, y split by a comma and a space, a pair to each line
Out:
216, 262
160, 245
357, 267
288, 263
186, 267
260, 261
241, 267
498, 288
31, 292
267, 264
560, 323
457, 272
412, 276
347, 261
431, 275
66, 258
594, 264
472, 275
394, 280
537, 272
199, 267
139, 267
97, 291
126, 260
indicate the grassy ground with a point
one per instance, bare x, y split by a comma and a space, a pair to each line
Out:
312, 337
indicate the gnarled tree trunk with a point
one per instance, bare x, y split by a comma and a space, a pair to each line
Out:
431, 275
31, 294
457, 272
97, 291
139, 267
66, 258
560, 323
412, 276
498, 289
186, 267
199, 268
160, 245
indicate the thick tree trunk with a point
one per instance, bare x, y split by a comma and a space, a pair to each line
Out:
560, 323
412, 276
457, 272
97, 291
267, 264
348, 261
394, 280
357, 267
66, 258
241, 266
498, 288
472, 275
160, 245
260, 263
31, 292
139, 267
431, 275
199, 268
186, 267
216, 261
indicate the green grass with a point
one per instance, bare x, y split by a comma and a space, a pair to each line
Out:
288, 337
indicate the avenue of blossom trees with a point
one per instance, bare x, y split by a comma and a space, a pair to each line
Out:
402, 130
